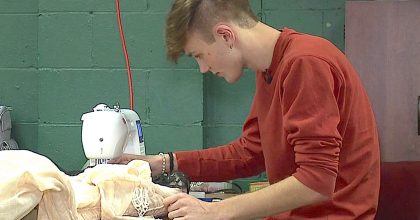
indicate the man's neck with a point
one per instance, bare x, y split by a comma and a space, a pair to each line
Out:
258, 45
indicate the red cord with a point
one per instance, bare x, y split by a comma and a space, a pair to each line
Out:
127, 60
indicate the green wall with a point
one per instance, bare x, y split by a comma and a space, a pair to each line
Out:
59, 58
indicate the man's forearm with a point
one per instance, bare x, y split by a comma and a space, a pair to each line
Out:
285, 195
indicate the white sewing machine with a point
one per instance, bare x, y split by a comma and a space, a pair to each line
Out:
107, 133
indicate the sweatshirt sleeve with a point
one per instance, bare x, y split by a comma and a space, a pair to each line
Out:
240, 158
311, 116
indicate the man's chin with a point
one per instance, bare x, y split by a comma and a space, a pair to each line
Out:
232, 78
231, 81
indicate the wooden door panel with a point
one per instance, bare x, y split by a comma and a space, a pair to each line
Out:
383, 43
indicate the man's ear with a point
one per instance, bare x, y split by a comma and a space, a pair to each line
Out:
226, 33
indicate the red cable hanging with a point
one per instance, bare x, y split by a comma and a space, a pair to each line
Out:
127, 60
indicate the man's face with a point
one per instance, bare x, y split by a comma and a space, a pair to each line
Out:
216, 57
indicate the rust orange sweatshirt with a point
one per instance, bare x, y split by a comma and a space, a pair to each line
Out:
313, 121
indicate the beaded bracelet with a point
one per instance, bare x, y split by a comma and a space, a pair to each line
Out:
163, 163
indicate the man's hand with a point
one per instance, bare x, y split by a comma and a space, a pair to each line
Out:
183, 206
155, 161
126, 158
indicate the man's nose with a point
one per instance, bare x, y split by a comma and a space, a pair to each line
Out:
204, 68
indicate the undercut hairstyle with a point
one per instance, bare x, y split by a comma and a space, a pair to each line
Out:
200, 16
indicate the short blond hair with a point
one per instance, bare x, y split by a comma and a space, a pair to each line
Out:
187, 16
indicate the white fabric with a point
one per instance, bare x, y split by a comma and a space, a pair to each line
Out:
103, 192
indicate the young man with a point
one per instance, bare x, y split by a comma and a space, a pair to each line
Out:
311, 127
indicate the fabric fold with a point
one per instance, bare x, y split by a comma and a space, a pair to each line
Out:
105, 191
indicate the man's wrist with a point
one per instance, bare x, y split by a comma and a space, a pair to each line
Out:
167, 163
167, 167
220, 207
175, 162
171, 162
164, 163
